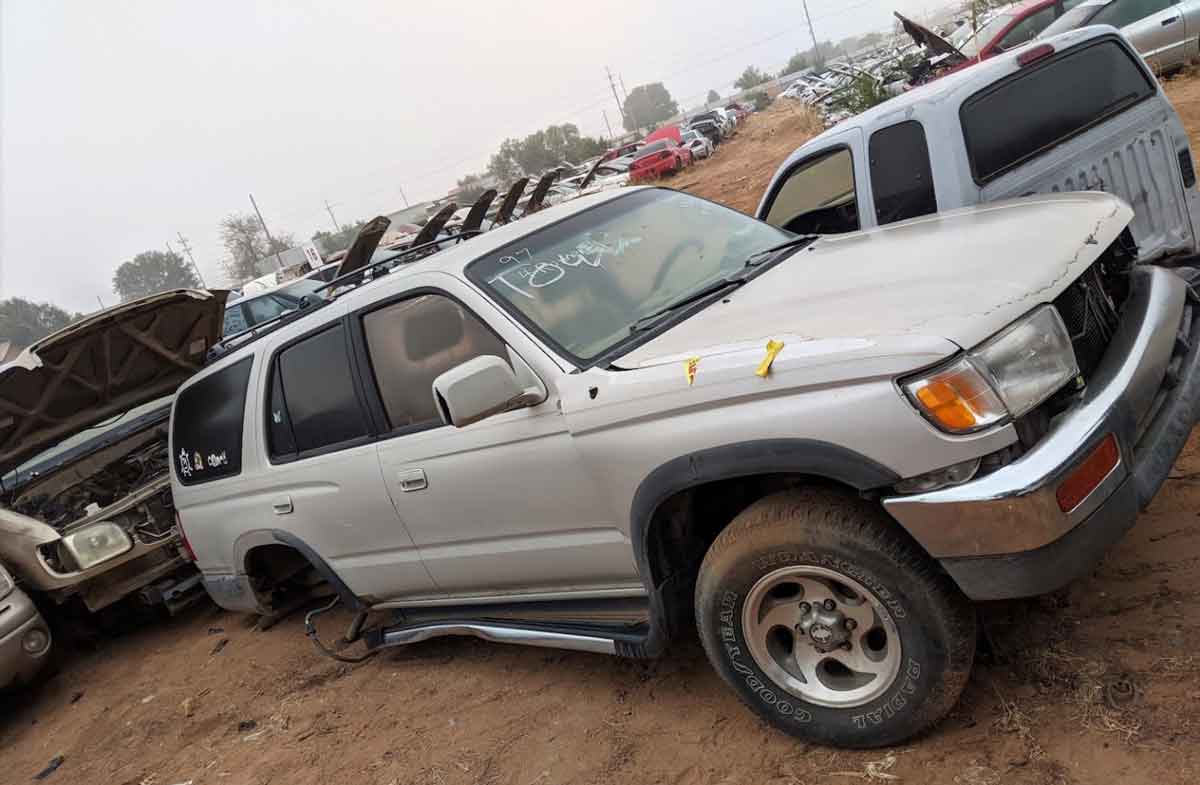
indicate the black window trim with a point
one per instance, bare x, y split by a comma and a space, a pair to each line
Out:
769, 202
373, 398
264, 397
1030, 71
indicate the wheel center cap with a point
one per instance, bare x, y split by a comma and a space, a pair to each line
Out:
820, 633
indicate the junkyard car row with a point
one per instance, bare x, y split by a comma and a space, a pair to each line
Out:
939, 366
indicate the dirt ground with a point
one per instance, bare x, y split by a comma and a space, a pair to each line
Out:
1096, 684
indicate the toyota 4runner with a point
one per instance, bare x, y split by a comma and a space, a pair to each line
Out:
639, 409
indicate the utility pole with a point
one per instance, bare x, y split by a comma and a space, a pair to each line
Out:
606, 123
621, 106
267, 232
816, 48
187, 249
329, 208
402, 196
624, 92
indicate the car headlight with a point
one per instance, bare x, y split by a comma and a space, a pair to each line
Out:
6, 583
97, 543
1006, 376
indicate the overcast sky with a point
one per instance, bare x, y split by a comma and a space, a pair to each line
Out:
123, 123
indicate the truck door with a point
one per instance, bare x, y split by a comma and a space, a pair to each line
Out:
503, 506
824, 192
1089, 119
1159, 32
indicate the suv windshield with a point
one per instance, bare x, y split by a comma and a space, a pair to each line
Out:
586, 283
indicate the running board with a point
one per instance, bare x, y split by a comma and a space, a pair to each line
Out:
576, 637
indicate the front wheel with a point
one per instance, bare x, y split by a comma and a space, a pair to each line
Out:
830, 624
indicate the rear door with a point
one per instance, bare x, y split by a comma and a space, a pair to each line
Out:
1155, 28
1089, 119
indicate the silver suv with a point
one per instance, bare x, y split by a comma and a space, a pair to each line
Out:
639, 409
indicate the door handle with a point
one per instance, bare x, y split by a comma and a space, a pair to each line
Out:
1170, 21
282, 505
413, 480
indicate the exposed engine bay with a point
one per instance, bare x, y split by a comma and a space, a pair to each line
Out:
100, 481
125, 483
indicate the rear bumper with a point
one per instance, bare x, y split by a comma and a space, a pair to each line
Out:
1004, 534
18, 619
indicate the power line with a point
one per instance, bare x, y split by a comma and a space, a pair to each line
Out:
329, 207
187, 249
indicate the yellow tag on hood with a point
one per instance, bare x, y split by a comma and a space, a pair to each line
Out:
773, 350
689, 368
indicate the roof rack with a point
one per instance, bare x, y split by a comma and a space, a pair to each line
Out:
339, 285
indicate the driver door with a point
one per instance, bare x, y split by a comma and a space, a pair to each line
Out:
502, 507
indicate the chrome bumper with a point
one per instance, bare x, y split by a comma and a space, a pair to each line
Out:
1004, 535
18, 616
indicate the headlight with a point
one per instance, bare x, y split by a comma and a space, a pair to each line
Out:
6, 583
97, 543
1004, 377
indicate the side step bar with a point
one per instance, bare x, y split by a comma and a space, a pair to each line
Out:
597, 640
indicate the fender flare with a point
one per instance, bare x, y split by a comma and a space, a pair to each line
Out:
730, 461
746, 459
349, 598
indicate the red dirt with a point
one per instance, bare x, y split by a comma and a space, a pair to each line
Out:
163, 705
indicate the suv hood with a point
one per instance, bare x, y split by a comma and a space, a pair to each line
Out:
959, 276
102, 366
930, 40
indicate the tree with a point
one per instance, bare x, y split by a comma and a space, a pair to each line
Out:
542, 150
648, 105
751, 77
331, 242
246, 242
153, 271
798, 62
23, 321
712, 97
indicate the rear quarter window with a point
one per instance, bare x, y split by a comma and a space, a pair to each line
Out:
207, 427
1042, 106
901, 176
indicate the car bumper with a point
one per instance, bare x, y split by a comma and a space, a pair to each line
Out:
1004, 535
19, 620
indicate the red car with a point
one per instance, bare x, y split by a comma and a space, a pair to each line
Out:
658, 159
619, 152
1017, 24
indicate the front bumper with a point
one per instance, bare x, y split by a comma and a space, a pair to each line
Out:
1004, 535
18, 619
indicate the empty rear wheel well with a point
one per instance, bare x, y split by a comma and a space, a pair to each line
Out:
280, 574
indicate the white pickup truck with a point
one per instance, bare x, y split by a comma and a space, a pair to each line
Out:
1076, 112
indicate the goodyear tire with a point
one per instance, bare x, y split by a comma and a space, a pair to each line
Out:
832, 624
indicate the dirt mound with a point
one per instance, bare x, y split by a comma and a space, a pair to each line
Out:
740, 169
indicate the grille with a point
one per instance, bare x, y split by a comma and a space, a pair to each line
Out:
1091, 318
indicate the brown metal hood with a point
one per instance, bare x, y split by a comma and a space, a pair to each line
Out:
102, 366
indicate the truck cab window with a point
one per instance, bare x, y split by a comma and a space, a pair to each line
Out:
413, 342
817, 197
900, 173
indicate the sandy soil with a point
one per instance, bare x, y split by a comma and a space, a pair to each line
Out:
1096, 684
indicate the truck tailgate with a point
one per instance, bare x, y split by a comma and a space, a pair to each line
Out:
1132, 156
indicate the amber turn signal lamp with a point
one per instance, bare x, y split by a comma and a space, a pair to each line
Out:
1088, 475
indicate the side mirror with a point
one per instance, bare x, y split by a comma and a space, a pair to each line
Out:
478, 389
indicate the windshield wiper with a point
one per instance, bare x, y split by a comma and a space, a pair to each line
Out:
706, 291
766, 254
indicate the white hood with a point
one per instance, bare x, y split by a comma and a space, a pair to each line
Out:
960, 276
